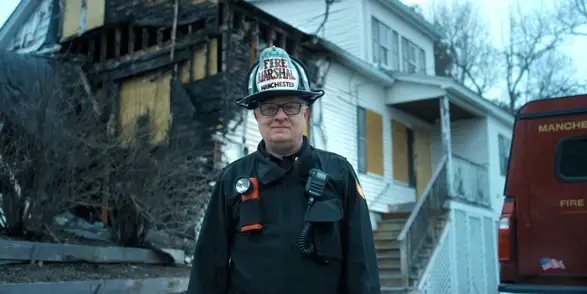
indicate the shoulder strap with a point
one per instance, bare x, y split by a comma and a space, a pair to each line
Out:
317, 159
324, 163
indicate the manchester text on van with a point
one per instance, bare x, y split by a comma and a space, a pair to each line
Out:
563, 126
572, 202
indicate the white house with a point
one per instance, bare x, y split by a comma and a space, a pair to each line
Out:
415, 140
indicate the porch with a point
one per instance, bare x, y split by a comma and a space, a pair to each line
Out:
459, 155
458, 135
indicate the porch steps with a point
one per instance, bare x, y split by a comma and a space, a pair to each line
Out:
387, 248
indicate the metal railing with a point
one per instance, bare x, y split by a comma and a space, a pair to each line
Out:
471, 182
418, 226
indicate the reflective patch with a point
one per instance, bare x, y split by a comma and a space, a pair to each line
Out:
360, 190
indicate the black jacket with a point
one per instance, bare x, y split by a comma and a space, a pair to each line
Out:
268, 261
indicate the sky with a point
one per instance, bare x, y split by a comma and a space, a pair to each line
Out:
6, 9
496, 13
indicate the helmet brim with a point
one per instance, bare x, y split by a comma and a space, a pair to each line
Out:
251, 101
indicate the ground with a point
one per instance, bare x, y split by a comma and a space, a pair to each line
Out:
53, 272
32, 273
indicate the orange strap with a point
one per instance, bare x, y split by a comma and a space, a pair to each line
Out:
254, 193
251, 227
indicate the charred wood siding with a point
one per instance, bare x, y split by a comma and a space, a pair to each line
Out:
140, 46
80, 17
159, 14
213, 48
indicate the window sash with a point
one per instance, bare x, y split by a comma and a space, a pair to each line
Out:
504, 156
361, 140
394, 50
422, 61
381, 44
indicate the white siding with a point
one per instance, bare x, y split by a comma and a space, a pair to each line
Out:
245, 131
349, 24
343, 27
396, 22
476, 140
345, 90
469, 140
31, 36
496, 180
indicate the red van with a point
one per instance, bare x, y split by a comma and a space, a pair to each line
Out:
542, 241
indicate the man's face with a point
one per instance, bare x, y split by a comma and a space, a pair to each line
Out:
282, 120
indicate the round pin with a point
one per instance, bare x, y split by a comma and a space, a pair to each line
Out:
243, 185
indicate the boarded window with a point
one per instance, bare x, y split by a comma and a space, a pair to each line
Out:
411, 157
95, 14
205, 57
374, 142
145, 99
400, 155
422, 160
71, 18
92, 14
572, 159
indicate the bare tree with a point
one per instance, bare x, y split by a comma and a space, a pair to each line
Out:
45, 165
554, 73
529, 65
466, 52
59, 151
534, 40
573, 16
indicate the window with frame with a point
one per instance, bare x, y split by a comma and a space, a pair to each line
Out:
422, 61
361, 140
413, 57
394, 50
380, 42
385, 45
571, 163
504, 153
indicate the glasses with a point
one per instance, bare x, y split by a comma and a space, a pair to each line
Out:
271, 109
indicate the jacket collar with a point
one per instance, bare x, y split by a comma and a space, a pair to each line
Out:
270, 168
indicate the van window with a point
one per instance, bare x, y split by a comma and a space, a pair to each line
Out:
572, 159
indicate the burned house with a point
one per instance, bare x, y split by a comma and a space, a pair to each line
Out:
168, 71
180, 63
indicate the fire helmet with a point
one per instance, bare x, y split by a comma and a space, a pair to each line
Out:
277, 74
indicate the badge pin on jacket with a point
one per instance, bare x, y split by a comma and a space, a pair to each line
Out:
360, 190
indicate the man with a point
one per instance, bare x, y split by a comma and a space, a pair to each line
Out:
288, 218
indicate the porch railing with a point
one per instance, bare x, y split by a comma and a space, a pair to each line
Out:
471, 182
419, 225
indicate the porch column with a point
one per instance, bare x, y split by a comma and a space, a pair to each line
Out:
446, 142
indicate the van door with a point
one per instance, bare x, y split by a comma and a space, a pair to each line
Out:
552, 207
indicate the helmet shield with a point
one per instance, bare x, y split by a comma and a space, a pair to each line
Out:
277, 74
